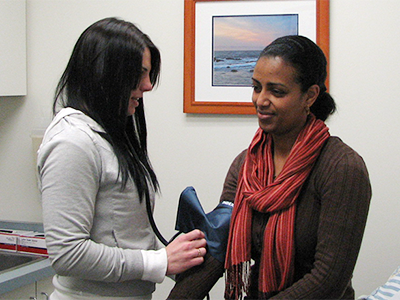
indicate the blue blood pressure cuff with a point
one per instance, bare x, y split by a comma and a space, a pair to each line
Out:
214, 224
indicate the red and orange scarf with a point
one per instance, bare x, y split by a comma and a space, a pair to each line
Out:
257, 190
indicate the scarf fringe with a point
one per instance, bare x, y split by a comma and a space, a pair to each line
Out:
237, 279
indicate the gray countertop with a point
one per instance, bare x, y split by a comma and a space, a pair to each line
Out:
27, 273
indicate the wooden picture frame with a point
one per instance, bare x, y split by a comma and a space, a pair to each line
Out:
225, 106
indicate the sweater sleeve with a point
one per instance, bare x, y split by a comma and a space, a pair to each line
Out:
344, 192
231, 180
70, 169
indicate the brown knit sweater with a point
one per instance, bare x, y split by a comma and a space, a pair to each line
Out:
331, 215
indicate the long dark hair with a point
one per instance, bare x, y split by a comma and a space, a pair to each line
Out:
105, 66
310, 63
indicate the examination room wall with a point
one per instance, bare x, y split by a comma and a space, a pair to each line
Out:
193, 149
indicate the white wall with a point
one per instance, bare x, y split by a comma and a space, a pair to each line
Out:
197, 149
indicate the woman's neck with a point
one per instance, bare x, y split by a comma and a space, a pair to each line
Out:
281, 151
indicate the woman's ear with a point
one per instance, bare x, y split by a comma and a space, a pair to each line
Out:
312, 94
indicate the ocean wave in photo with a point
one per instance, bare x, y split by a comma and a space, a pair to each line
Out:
233, 68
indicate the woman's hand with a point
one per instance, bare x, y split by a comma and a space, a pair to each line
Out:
186, 251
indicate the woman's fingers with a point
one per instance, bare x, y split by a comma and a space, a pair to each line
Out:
193, 235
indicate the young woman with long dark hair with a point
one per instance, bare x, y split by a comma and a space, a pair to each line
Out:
96, 176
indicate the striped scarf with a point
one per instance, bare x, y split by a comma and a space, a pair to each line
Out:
257, 190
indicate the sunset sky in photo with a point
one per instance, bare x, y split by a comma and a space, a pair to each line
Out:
251, 32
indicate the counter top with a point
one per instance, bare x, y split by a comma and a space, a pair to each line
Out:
27, 273
24, 275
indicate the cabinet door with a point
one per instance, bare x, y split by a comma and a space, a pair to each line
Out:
45, 288
30, 291
24, 292
12, 47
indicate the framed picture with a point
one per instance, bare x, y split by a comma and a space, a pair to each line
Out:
223, 39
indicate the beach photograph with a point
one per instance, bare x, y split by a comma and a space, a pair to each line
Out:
238, 41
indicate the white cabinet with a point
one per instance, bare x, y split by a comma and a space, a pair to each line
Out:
12, 47
44, 288
37, 290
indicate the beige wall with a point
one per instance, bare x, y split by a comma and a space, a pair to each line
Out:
197, 149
